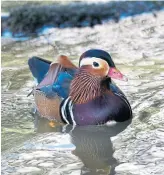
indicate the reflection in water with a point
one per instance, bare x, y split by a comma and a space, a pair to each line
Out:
93, 145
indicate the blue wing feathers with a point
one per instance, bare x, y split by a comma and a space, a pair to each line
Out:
60, 87
39, 67
62, 84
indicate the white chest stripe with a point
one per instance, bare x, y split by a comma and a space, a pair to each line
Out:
63, 110
71, 113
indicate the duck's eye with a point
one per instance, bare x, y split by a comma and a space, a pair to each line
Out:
95, 64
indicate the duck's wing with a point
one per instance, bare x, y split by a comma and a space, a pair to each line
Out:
57, 81
52, 77
38, 67
54, 88
58, 78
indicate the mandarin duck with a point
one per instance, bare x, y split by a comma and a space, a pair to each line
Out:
83, 95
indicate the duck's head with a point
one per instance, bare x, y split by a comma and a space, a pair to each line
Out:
99, 63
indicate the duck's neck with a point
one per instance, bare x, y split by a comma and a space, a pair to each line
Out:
86, 87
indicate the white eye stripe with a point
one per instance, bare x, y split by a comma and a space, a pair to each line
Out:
90, 60
86, 61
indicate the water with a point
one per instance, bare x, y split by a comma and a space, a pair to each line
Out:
136, 45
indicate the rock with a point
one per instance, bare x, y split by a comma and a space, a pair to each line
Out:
46, 164
33, 162
39, 154
31, 170
26, 157
128, 168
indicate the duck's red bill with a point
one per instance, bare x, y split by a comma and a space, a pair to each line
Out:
116, 74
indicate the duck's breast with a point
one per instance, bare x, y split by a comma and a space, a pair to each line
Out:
101, 110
